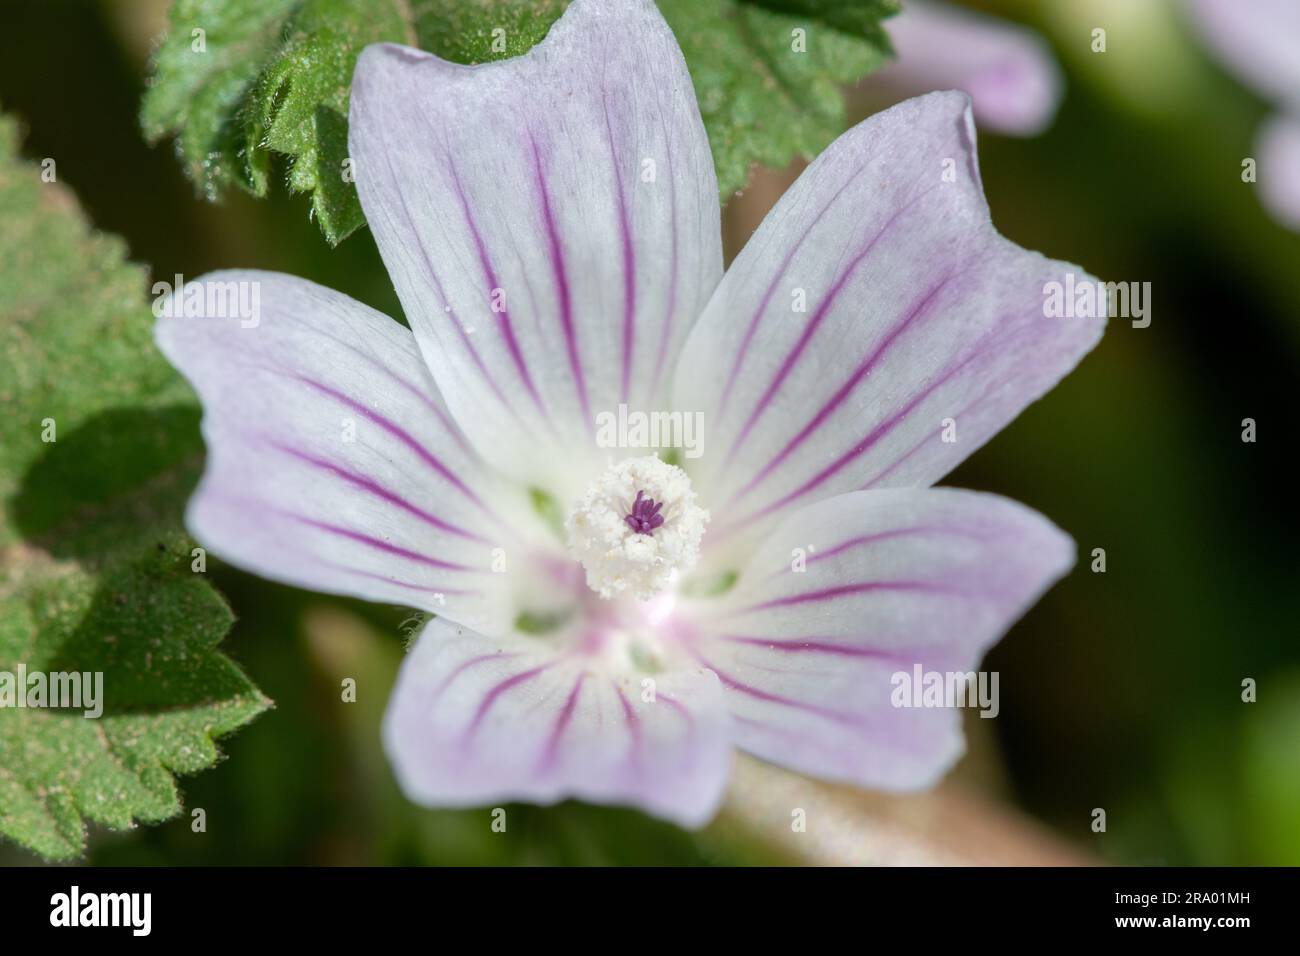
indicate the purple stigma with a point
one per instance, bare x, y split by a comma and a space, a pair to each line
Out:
645, 516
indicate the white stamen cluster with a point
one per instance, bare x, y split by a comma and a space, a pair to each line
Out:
619, 559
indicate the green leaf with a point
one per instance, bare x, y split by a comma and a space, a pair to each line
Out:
98, 452
238, 82
856, 17
465, 31
204, 73
762, 100
274, 77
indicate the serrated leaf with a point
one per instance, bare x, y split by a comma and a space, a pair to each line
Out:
484, 30
856, 17
274, 77
203, 73
287, 92
95, 576
763, 99
299, 106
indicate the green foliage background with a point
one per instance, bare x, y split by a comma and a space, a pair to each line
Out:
1120, 690
272, 77
94, 574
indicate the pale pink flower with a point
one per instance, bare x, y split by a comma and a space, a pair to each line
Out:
1259, 41
551, 224
1009, 71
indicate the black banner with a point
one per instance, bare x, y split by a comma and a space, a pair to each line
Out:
333, 906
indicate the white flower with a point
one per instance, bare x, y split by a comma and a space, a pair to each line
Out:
563, 205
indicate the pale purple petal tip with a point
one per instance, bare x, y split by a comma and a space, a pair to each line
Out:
1277, 152
332, 462
550, 223
1258, 40
917, 317
476, 721
893, 581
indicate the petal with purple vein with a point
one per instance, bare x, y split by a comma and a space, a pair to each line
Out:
888, 580
875, 301
475, 721
562, 205
332, 462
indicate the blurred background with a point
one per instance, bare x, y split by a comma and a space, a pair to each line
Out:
1121, 690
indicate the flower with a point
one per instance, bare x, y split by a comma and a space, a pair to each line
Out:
551, 224
1259, 41
1008, 70
1277, 148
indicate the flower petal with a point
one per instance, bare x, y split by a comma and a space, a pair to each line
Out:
1013, 81
1259, 40
892, 579
332, 462
874, 302
475, 721
1278, 150
562, 205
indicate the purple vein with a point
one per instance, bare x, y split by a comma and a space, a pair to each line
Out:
379, 491
384, 578
629, 260
633, 723
671, 307
490, 276
463, 666
799, 645
561, 282
810, 328
918, 309
397, 432
377, 543
422, 395
841, 591
665, 330
681, 711
496, 691
980, 349
771, 291
867, 539
869, 441
837, 716
442, 295
561, 724
405, 585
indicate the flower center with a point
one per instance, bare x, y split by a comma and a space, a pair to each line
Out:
637, 528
